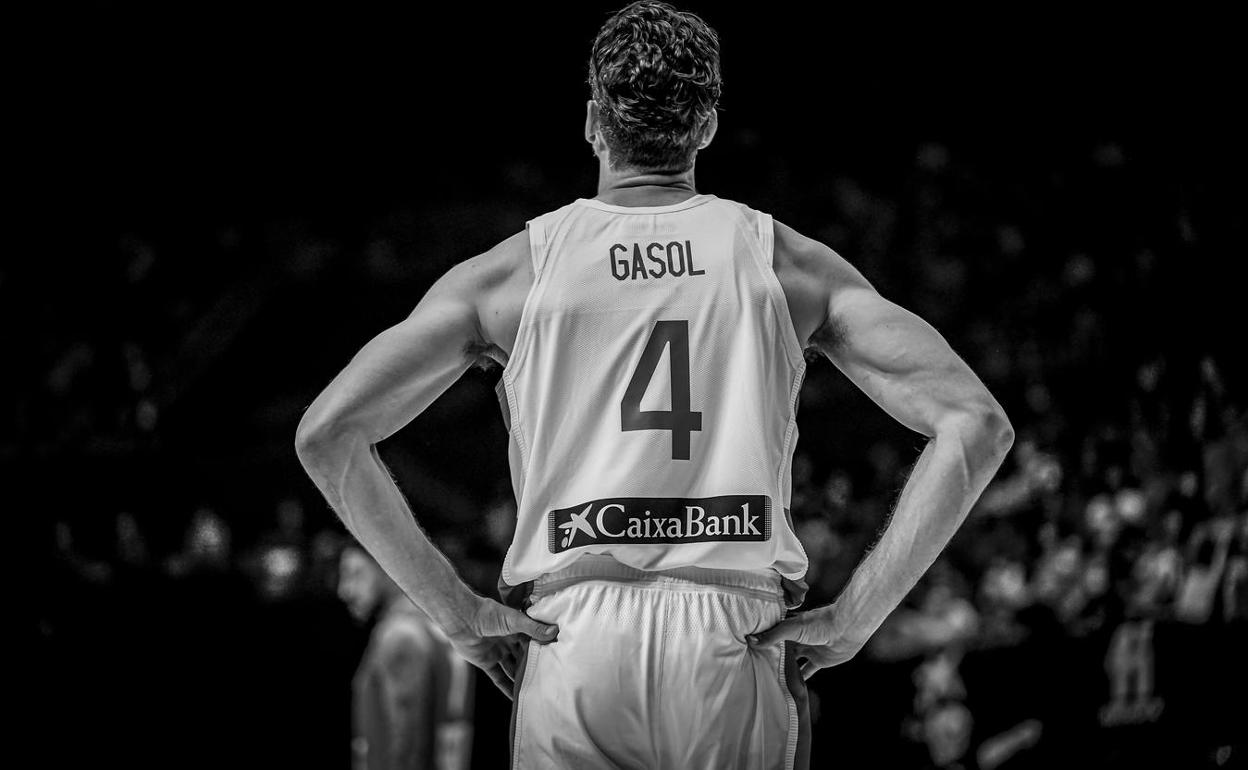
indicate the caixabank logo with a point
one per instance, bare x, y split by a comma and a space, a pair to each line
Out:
645, 520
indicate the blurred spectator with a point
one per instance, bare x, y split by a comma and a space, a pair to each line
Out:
75, 561
1003, 592
1037, 473
279, 562
132, 549
944, 618
413, 693
1235, 582
1159, 569
280, 571
1208, 551
1186, 500
208, 547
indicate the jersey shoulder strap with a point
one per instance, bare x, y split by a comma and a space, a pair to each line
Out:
541, 231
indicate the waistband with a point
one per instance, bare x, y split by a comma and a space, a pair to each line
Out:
765, 583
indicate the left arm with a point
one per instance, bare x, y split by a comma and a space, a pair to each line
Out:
910, 371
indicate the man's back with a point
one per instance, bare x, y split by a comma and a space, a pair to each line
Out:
651, 392
661, 666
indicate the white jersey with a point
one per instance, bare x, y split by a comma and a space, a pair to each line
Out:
651, 394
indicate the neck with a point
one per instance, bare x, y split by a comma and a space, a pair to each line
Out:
631, 187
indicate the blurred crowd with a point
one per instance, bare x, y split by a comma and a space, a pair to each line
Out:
1077, 541
1123, 507
1143, 564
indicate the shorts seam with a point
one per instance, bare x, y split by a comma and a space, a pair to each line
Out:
530, 662
790, 747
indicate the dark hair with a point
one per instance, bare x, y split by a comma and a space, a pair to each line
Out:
654, 72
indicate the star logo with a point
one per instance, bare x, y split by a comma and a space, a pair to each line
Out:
579, 523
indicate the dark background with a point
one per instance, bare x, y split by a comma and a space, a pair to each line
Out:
229, 200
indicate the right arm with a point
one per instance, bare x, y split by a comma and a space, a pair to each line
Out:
384, 387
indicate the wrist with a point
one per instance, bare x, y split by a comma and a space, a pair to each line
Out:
845, 632
456, 614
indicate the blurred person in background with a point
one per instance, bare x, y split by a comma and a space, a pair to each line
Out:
1159, 568
279, 562
323, 558
1037, 473
1186, 500
1003, 592
205, 572
412, 706
1208, 551
1058, 573
944, 619
945, 730
1235, 582
207, 548
291, 525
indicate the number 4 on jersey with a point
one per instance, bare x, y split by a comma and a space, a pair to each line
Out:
679, 420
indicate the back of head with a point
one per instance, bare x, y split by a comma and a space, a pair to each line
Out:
654, 73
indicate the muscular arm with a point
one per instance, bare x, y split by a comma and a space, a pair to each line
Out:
385, 386
907, 368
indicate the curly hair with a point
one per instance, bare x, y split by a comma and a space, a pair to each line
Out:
654, 73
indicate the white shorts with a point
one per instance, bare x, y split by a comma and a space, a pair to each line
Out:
651, 670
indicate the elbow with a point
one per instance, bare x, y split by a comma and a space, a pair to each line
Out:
986, 426
997, 432
309, 438
318, 439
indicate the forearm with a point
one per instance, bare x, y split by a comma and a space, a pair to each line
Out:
951, 473
357, 485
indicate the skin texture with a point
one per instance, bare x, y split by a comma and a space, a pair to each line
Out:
896, 358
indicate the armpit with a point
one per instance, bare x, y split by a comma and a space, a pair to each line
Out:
485, 355
830, 335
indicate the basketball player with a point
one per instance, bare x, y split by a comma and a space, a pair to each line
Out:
413, 695
652, 342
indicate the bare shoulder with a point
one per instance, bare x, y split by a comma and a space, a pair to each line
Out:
498, 267
811, 274
497, 281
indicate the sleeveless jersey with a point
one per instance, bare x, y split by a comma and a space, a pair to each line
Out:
651, 393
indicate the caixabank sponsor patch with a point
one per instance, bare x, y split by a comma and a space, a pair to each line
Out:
643, 520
